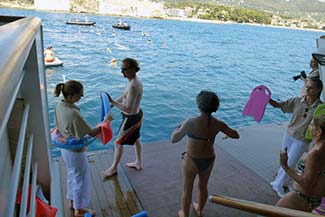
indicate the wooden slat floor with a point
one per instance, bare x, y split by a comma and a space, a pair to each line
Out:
113, 197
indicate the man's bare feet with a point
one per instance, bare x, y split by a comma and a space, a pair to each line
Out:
109, 173
180, 213
196, 209
83, 211
70, 204
134, 165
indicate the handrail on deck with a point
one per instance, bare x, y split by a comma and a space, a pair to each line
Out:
23, 87
14, 53
17, 164
258, 208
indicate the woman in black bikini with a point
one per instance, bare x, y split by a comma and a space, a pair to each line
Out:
199, 156
310, 177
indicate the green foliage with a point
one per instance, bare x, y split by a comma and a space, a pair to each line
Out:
206, 17
214, 11
243, 15
311, 27
79, 2
181, 4
288, 9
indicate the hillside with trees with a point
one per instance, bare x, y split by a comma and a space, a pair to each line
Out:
290, 8
213, 11
308, 6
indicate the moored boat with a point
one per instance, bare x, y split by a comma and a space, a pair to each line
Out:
82, 23
122, 26
56, 62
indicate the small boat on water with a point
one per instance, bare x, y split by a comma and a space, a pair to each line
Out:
122, 26
82, 23
56, 62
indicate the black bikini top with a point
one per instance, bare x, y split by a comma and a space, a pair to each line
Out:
200, 138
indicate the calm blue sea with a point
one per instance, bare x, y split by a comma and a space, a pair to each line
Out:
177, 60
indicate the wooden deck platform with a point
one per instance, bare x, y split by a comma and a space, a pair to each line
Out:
243, 169
113, 197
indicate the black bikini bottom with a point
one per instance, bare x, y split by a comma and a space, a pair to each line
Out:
312, 201
201, 163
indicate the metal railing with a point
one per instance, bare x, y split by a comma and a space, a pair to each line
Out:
258, 208
24, 141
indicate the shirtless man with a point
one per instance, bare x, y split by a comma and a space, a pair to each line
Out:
49, 54
129, 104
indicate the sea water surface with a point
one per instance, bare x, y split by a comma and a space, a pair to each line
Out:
178, 59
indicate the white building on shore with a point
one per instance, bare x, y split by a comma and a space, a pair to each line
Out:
143, 8
176, 12
57, 5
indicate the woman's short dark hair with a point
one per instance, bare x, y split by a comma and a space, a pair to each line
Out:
132, 63
207, 101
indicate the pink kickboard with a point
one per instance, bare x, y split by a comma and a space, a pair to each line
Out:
257, 102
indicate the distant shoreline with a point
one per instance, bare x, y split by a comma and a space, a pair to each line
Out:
250, 24
31, 7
